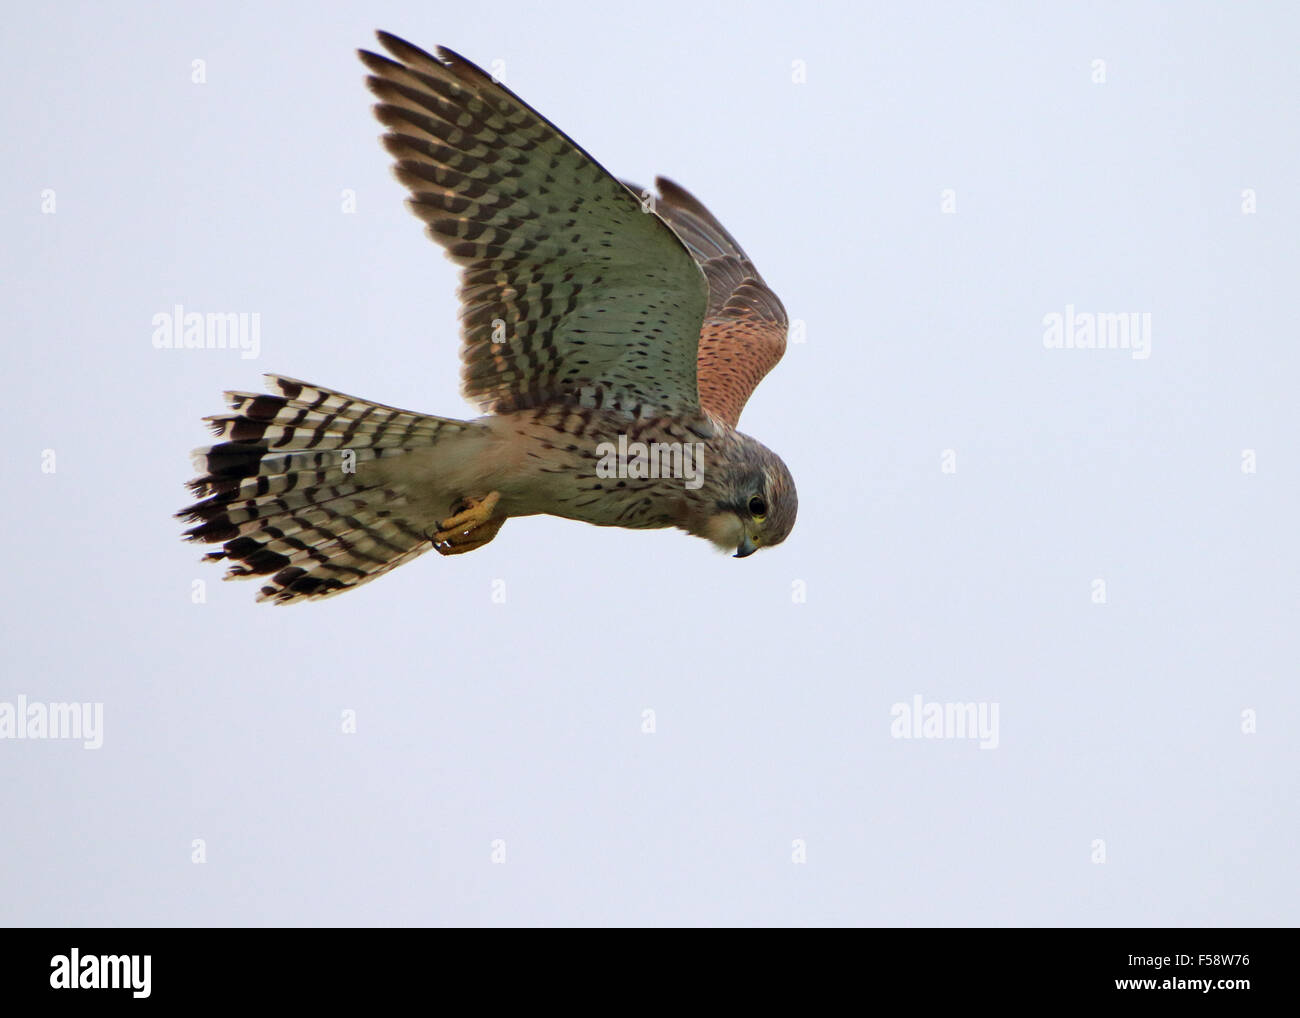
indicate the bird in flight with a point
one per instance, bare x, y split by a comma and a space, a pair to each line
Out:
611, 337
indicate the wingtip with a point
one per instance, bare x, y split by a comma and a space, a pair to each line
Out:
376, 62
673, 191
405, 51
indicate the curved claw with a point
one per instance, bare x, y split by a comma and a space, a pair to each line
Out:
470, 528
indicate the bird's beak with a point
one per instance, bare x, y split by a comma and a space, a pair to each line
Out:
747, 547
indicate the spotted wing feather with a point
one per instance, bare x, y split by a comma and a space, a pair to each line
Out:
569, 291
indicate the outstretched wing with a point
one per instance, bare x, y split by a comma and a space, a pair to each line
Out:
569, 291
743, 335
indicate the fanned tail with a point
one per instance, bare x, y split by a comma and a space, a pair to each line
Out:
292, 492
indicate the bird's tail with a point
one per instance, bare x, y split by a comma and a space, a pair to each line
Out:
295, 492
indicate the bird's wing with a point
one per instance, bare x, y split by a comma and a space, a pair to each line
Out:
743, 334
569, 291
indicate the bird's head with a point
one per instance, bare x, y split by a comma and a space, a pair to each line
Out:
753, 504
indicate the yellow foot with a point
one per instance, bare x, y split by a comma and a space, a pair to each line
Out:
471, 526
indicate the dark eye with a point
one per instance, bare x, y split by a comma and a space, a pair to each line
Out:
757, 507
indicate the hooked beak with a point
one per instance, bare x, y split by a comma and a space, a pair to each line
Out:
747, 548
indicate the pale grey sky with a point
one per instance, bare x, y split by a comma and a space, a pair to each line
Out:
1118, 723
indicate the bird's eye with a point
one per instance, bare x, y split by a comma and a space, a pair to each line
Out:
758, 508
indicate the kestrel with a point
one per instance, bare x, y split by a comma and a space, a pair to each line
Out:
610, 336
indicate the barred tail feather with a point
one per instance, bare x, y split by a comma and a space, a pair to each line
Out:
289, 496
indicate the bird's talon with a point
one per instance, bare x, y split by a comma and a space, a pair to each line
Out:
471, 525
